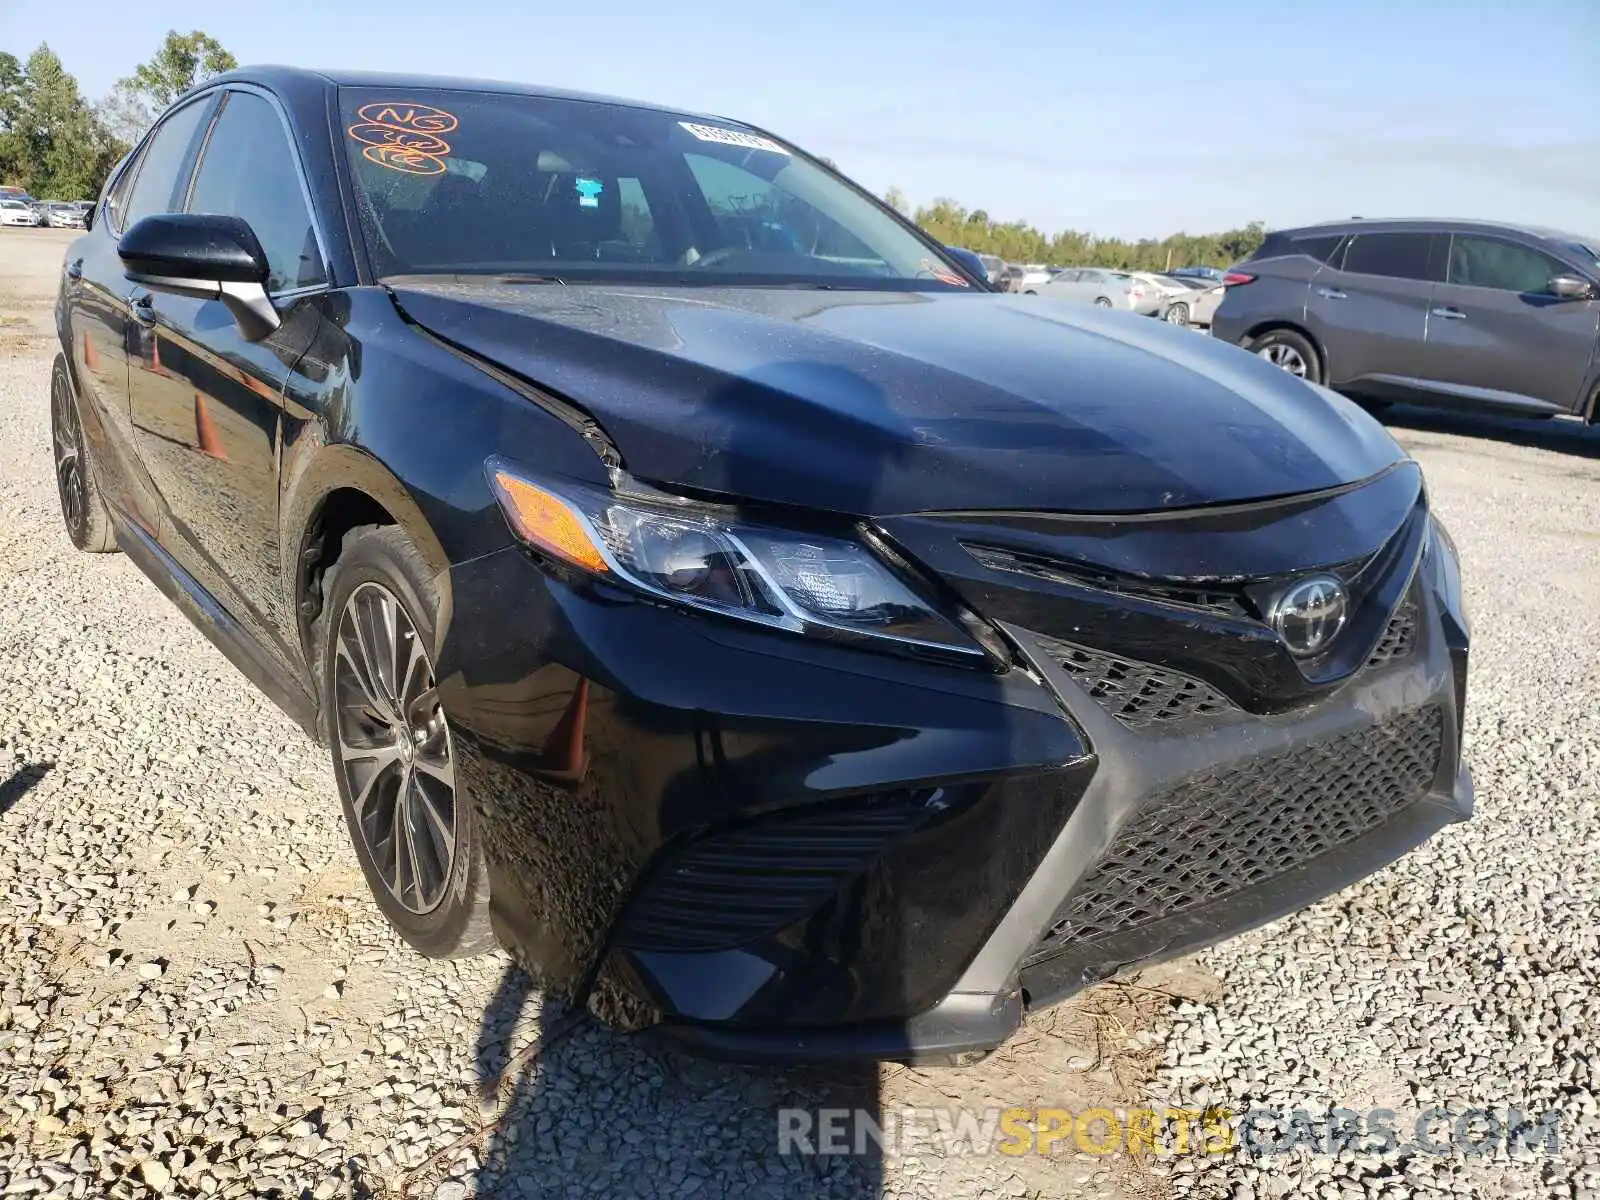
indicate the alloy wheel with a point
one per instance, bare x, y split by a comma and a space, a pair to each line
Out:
1177, 314
394, 747
68, 437
1102, 302
1280, 354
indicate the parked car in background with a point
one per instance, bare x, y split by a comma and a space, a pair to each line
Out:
1104, 287
971, 261
1166, 287
63, 215
1214, 274
722, 628
1034, 276
993, 266
1011, 276
1197, 308
1451, 313
20, 213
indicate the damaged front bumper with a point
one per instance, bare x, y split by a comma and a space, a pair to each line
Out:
767, 848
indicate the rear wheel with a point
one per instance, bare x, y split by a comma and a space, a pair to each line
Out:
1289, 351
1102, 302
82, 508
394, 756
1177, 314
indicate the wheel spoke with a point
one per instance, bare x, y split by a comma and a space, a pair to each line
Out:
442, 830
440, 769
413, 677
66, 444
438, 836
352, 649
397, 846
403, 807
361, 796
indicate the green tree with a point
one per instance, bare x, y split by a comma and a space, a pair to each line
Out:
13, 147
183, 61
50, 140
1017, 241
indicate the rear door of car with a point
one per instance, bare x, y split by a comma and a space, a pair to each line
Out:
1067, 285
1368, 309
209, 404
1495, 327
99, 318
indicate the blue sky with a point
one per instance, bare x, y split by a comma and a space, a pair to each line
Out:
1120, 117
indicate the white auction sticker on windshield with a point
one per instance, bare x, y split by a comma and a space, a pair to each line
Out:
732, 137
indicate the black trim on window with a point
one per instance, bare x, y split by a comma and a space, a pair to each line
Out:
1396, 254
191, 152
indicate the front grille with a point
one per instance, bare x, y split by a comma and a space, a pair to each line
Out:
1399, 636
1138, 694
1217, 600
1231, 828
737, 885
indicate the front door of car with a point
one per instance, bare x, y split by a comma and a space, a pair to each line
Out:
1368, 310
1496, 326
97, 314
207, 402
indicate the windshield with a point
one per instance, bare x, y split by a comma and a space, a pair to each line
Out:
452, 182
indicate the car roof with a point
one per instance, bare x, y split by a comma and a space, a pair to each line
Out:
278, 77
1430, 224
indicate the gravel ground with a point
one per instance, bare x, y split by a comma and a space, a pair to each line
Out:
198, 998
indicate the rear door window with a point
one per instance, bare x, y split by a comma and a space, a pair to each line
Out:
1505, 266
1394, 255
1321, 247
164, 166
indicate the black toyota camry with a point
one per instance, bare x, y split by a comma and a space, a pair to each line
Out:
707, 590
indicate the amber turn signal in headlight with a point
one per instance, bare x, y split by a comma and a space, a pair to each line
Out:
548, 522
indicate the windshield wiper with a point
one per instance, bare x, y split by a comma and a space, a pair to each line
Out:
520, 279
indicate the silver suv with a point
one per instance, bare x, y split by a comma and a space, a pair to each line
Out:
1427, 312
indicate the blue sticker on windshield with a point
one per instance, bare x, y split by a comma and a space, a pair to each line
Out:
589, 192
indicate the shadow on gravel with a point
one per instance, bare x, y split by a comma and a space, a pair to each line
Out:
22, 780
605, 1113
1562, 437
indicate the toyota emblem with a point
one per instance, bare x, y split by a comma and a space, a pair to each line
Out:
1309, 613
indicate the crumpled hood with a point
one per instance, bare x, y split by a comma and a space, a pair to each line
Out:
875, 403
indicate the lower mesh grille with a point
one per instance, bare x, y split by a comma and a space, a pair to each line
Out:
1137, 694
1228, 829
1399, 636
735, 886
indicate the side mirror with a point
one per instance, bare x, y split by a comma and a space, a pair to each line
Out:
88, 217
1571, 287
206, 256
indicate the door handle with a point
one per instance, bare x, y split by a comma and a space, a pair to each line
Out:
1331, 294
141, 305
1449, 314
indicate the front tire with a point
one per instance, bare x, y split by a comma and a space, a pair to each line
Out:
1102, 302
83, 509
394, 755
1289, 351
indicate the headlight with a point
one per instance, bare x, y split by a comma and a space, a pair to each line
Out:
710, 559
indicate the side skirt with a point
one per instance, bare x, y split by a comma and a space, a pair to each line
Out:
218, 625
